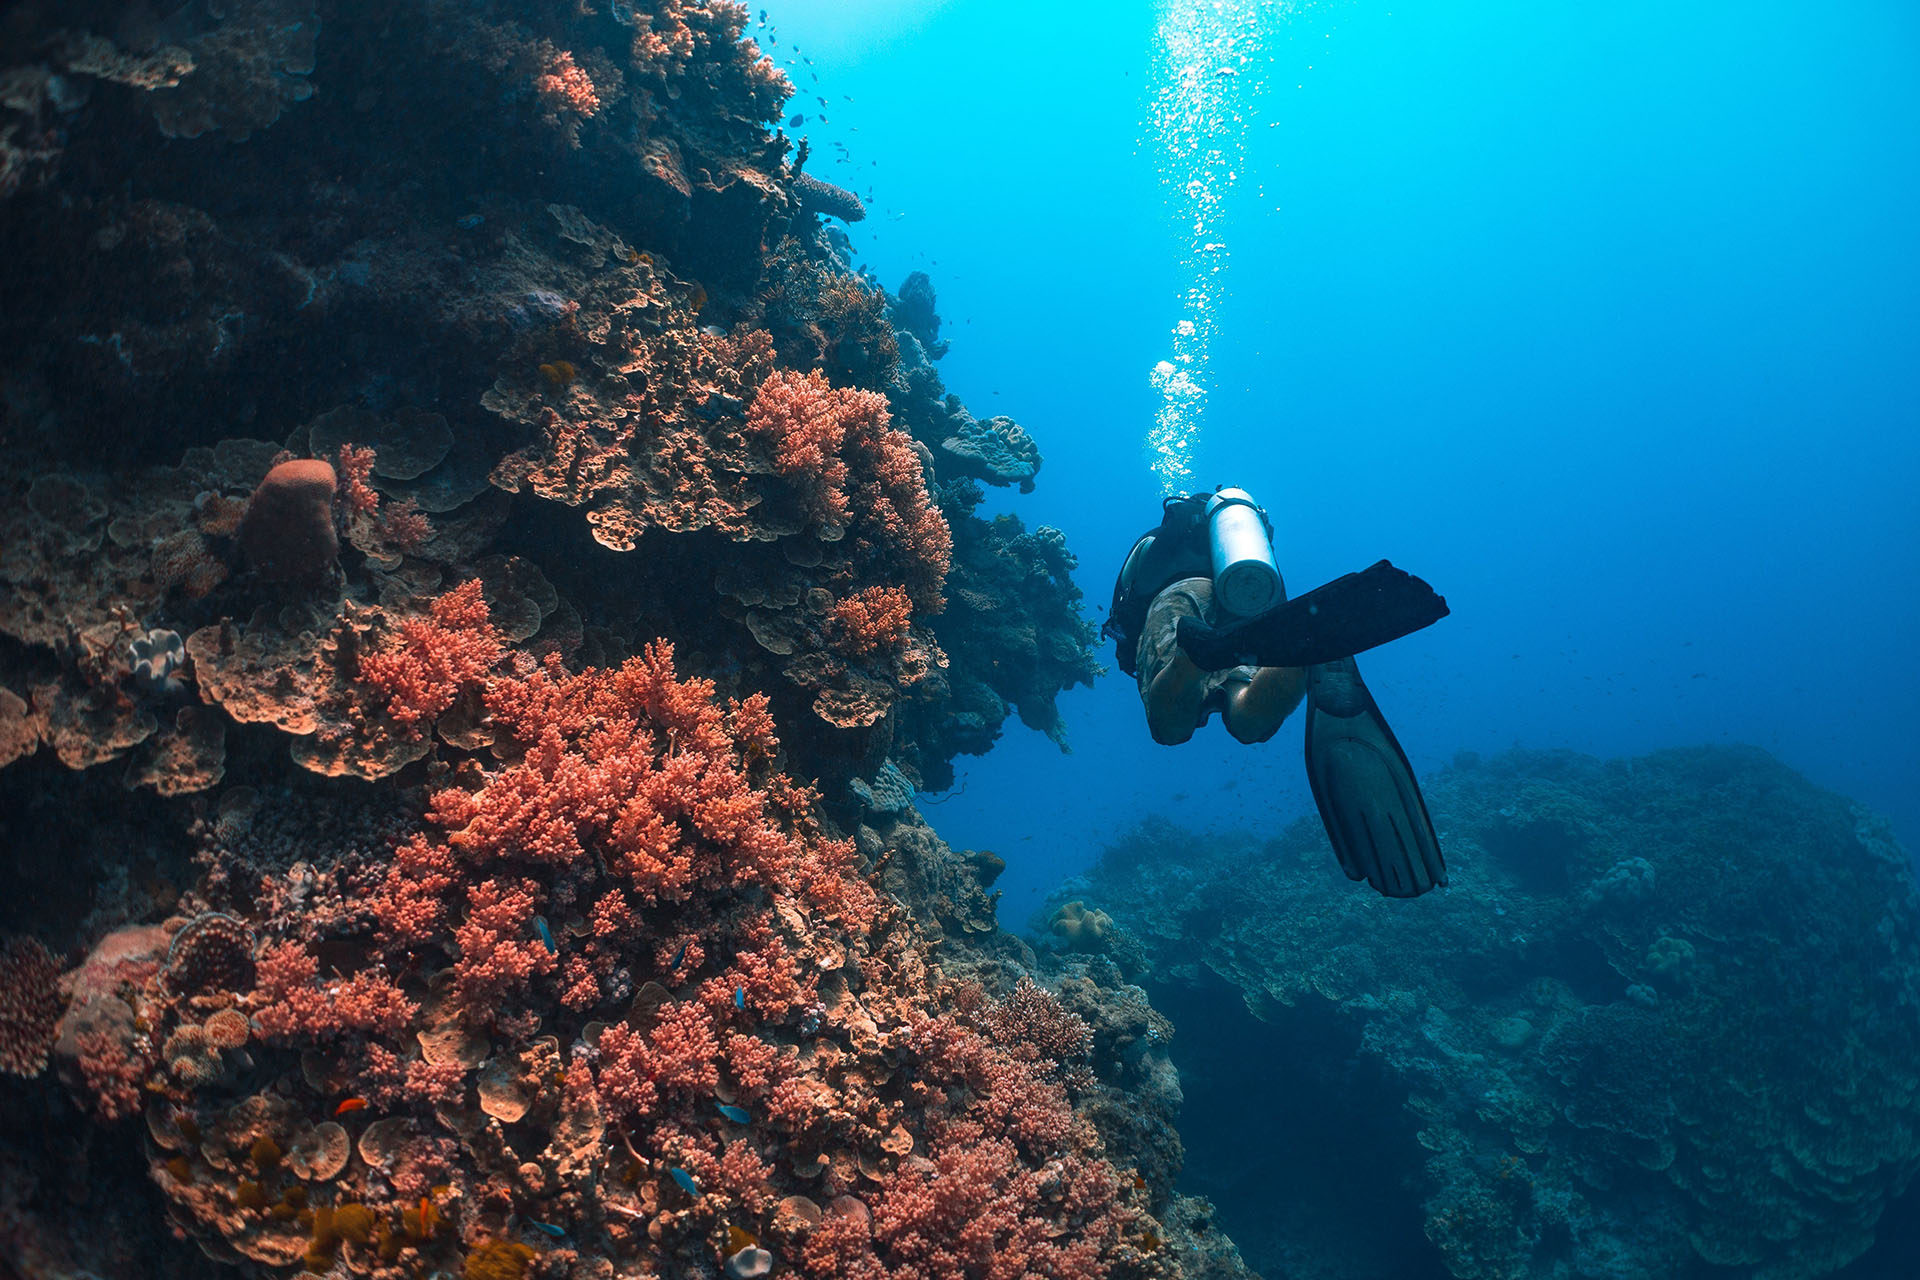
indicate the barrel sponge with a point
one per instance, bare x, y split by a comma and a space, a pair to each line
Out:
287, 531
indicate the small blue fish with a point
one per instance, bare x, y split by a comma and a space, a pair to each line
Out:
548, 1227
469, 222
678, 956
546, 934
739, 1115
740, 997
685, 1179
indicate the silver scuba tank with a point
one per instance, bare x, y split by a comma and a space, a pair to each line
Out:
1246, 581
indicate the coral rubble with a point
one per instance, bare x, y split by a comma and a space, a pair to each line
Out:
1662, 1024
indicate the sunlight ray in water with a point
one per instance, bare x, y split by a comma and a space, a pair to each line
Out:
1209, 63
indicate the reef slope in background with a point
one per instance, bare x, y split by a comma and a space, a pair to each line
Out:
1665, 1023
480, 579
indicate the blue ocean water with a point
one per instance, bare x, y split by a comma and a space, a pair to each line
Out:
1604, 319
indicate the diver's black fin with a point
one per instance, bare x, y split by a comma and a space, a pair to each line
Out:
1349, 615
1369, 800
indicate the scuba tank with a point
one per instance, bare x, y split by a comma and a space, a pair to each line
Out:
1246, 581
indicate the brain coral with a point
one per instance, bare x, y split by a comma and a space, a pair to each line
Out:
1720, 1069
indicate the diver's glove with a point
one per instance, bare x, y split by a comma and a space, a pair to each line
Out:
1347, 616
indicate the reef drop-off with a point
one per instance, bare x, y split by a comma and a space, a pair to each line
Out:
481, 576
1664, 1023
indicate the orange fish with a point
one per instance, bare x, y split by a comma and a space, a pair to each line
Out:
351, 1104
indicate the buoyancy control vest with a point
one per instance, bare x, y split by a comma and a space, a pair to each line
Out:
1176, 548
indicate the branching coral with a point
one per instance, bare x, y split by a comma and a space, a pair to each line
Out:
839, 450
419, 674
626, 866
872, 620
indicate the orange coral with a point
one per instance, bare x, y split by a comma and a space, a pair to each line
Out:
565, 87
356, 475
839, 447
871, 621
419, 676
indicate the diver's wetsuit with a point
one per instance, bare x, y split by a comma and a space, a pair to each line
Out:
1167, 576
1174, 549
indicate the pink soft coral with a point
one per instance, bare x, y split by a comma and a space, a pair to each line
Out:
644, 768
808, 424
977, 1212
500, 949
870, 621
112, 1074
854, 469
564, 87
420, 672
292, 1003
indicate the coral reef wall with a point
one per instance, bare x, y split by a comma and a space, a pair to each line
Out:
1665, 1022
549, 250
481, 577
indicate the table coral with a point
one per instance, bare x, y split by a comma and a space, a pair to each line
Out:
816, 196
998, 450
249, 62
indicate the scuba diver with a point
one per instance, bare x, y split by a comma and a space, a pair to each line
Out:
1201, 620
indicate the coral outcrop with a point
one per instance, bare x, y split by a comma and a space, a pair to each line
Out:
680, 353
621, 931
287, 531
481, 579
1662, 1024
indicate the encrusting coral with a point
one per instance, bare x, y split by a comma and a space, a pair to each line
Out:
29, 1005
